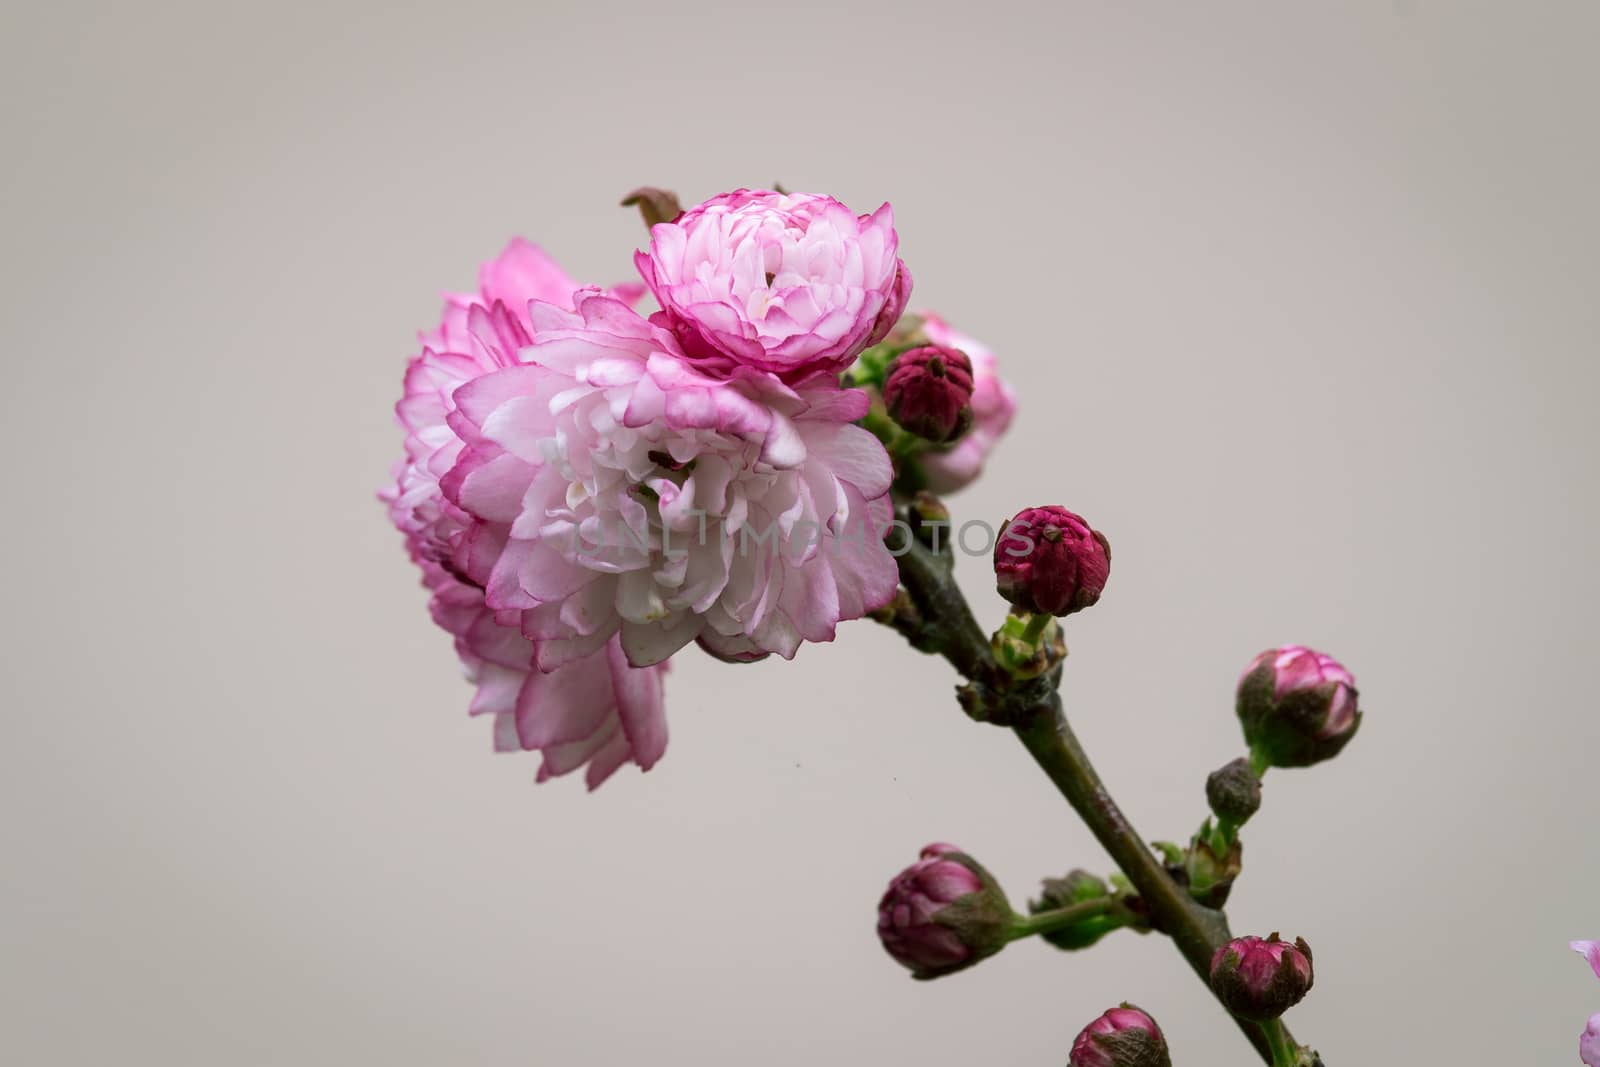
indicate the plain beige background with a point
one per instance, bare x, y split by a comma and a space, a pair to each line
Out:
1300, 300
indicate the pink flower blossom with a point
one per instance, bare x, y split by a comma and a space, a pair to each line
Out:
616, 488
795, 284
594, 710
993, 405
477, 333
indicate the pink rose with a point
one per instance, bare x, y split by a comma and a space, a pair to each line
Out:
795, 284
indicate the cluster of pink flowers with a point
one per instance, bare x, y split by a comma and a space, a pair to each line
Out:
587, 490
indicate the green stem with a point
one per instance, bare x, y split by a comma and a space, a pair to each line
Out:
1035, 628
1282, 1046
1046, 921
1039, 724
1198, 932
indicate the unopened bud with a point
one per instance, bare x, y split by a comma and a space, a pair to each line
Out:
929, 392
1122, 1037
1234, 792
943, 913
1211, 864
1078, 887
1050, 561
1298, 707
1261, 978
1028, 646
929, 520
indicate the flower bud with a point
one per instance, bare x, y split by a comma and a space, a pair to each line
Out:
929, 520
1023, 655
1211, 863
1050, 562
1260, 979
1297, 706
943, 913
1234, 792
1122, 1037
1078, 887
929, 392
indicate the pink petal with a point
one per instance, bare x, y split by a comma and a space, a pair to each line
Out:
851, 453
639, 706
1589, 950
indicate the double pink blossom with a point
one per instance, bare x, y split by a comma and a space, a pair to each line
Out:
586, 490
595, 710
792, 283
619, 489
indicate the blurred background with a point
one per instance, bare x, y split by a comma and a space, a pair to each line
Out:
1300, 302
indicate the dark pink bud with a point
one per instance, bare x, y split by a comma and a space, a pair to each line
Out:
943, 913
1261, 978
929, 392
1048, 561
1297, 706
1122, 1037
